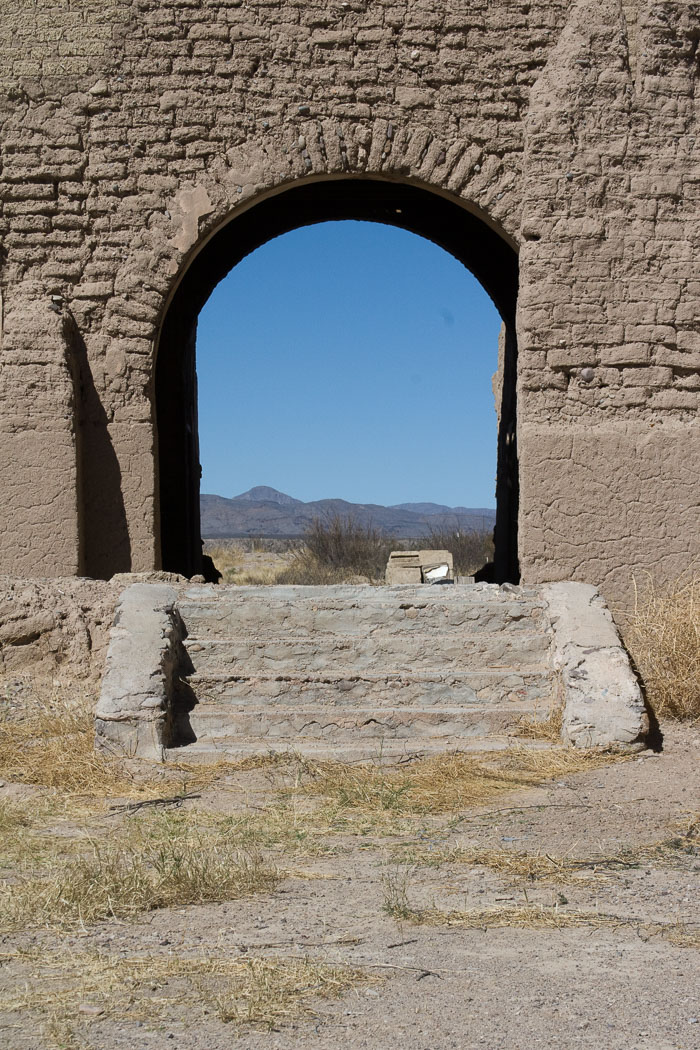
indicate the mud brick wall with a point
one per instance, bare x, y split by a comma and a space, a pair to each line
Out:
131, 131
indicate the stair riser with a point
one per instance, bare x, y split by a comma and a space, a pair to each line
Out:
272, 694
392, 655
340, 727
358, 621
349, 594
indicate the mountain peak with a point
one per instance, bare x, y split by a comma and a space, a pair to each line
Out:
265, 494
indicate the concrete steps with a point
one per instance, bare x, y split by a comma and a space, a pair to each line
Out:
352, 667
197, 672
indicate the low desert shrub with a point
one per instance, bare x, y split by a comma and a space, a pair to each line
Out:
306, 570
470, 548
337, 549
664, 641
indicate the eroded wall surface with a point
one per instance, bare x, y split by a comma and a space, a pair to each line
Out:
129, 131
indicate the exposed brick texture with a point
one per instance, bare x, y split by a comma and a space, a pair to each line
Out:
130, 131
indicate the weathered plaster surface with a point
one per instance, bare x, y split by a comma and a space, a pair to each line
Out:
307, 666
130, 131
602, 701
135, 705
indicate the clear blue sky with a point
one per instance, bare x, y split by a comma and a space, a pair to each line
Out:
350, 360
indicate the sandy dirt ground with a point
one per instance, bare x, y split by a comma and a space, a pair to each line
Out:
627, 978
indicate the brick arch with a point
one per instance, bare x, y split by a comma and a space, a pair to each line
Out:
438, 216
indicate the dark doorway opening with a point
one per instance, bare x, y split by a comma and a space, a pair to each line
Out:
439, 219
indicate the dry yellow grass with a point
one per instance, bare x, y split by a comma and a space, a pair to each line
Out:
257, 992
164, 860
525, 916
531, 917
446, 782
54, 746
544, 867
247, 568
513, 864
664, 640
548, 728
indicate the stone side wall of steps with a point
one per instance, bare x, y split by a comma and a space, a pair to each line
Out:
208, 671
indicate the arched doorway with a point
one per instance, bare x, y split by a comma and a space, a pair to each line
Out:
440, 219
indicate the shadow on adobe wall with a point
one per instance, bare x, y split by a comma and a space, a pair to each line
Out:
105, 547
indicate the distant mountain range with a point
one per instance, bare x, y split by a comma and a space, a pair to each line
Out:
263, 511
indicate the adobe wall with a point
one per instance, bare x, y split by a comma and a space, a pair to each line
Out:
130, 131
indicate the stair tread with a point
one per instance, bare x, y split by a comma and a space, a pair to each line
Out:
382, 592
480, 637
368, 706
446, 677
216, 747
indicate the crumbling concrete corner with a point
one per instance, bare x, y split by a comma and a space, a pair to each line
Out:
603, 703
135, 709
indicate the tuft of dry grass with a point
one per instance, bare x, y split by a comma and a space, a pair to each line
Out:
664, 641
513, 864
525, 917
522, 916
445, 782
674, 852
548, 729
251, 992
166, 860
54, 746
274, 991
286, 829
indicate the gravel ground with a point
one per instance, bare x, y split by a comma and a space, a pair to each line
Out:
623, 986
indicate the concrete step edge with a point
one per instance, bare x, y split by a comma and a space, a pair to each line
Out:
404, 677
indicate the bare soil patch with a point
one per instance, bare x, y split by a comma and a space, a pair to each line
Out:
538, 898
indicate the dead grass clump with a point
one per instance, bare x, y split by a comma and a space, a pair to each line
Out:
284, 829
470, 548
257, 992
512, 864
525, 916
432, 785
444, 782
664, 640
54, 746
194, 776
550, 763
548, 729
682, 936
164, 861
14, 818
678, 851
19, 844
270, 992
539, 917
